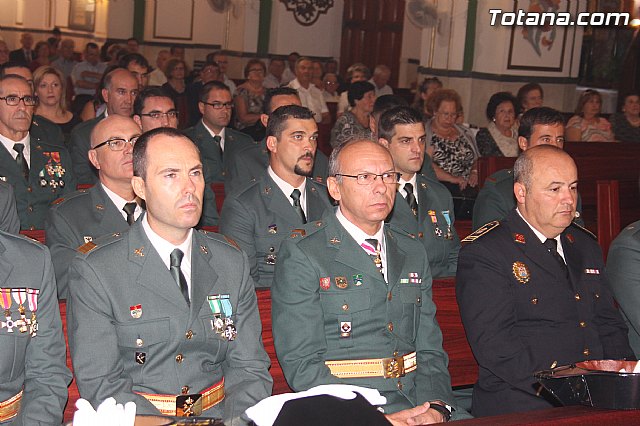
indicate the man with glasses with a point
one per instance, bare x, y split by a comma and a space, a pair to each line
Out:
119, 93
107, 207
263, 213
38, 170
352, 297
154, 108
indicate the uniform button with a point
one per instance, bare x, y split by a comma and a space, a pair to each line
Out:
420, 235
390, 326
419, 299
586, 352
577, 296
345, 307
29, 209
139, 342
29, 189
179, 358
399, 385
554, 364
395, 353
185, 390
389, 296
189, 335
272, 249
534, 301
583, 324
597, 295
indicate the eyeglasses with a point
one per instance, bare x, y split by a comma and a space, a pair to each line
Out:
157, 114
369, 178
118, 144
256, 70
448, 114
219, 105
15, 100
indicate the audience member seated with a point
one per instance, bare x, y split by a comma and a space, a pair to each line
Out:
288, 75
427, 87
4, 52
157, 76
310, 96
274, 78
587, 125
86, 75
626, 124
42, 56
50, 86
355, 122
529, 96
24, 55
97, 106
220, 58
138, 66
330, 84
380, 78
356, 72
250, 95
65, 61
176, 87
154, 108
500, 138
210, 71
317, 71
453, 151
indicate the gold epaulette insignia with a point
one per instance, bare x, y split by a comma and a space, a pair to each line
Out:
87, 247
481, 231
232, 242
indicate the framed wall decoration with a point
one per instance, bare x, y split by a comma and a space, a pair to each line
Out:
173, 19
82, 15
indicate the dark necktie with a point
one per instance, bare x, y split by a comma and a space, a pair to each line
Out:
411, 199
178, 276
217, 140
20, 160
377, 259
552, 245
130, 209
295, 196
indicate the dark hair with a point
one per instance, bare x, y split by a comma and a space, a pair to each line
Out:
538, 115
395, 116
277, 91
11, 64
91, 45
146, 93
586, 96
53, 42
279, 117
386, 102
357, 91
140, 147
135, 58
133, 39
498, 98
173, 48
251, 63
623, 99
524, 91
212, 85
171, 64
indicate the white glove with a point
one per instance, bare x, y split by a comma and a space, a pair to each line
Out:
108, 413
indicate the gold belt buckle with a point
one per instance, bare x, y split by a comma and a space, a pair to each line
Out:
189, 405
393, 367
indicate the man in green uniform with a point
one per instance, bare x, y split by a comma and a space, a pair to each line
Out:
164, 315
38, 170
423, 206
32, 355
262, 214
9, 221
107, 207
352, 297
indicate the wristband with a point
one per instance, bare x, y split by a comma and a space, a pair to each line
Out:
442, 409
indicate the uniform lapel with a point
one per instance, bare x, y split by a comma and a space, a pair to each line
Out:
277, 202
5, 266
572, 257
203, 276
315, 202
395, 258
105, 212
8, 167
424, 201
532, 247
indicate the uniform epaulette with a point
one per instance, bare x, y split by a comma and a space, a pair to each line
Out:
87, 247
102, 241
69, 196
232, 242
585, 230
57, 201
484, 229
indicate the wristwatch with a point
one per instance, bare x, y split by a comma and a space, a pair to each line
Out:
443, 409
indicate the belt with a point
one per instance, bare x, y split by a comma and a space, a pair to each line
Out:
10, 408
189, 404
392, 367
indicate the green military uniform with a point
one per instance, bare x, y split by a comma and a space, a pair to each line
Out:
249, 163
433, 224
330, 302
9, 221
79, 146
259, 217
131, 330
427, 167
77, 219
51, 129
623, 273
495, 200
32, 353
50, 177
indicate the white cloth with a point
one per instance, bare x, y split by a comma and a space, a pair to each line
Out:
265, 412
157, 77
26, 152
311, 98
108, 413
384, 90
542, 238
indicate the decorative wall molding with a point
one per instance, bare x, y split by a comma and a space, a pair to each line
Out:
307, 12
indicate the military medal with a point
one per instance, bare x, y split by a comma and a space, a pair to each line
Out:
325, 283
135, 311
334, 240
357, 280
32, 298
434, 220
141, 358
270, 258
273, 229
222, 310
5, 301
414, 278
341, 282
54, 171
521, 272
447, 217
20, 296
345, 329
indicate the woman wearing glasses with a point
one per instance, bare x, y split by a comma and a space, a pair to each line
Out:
587, 125
453, 150
175, 86
250, 95
50, 89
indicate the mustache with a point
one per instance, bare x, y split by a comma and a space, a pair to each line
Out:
306, 155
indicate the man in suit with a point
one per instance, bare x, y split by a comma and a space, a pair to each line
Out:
33, 367
531, 290
9, 221
248, 164
163, 315
25, 55
119, 93
538, 126
423, 206
107, 207
38, 170
352, 297
623, 275
262, 214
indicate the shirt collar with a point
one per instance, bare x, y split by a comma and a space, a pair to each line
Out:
8, 144
358, 234
287, 188
164, 247
213, 134
412, 181
541, 236
120, 202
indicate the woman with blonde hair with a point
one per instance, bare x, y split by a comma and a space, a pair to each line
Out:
50, 88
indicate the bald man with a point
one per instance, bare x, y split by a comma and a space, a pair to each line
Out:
109, 206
